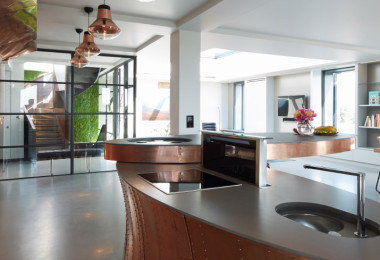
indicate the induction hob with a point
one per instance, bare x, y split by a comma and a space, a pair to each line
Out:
171, 182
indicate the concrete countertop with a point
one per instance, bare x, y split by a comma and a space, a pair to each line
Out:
272, 138
249, 211
281, 138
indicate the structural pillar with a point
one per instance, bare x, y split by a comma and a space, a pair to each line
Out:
185, 47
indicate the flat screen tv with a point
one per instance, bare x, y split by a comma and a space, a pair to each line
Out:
288, 105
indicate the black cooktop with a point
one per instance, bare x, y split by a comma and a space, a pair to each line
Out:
171, 182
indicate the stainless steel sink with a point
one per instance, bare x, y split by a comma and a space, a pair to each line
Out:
325, 219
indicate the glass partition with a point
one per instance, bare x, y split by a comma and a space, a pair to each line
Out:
54, 118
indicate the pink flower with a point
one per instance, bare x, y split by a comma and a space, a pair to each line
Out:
304, 114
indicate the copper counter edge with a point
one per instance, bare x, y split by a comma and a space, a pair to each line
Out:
152, 153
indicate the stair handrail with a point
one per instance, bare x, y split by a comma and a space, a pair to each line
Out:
30, 120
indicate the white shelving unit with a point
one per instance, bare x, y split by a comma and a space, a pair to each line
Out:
368, 80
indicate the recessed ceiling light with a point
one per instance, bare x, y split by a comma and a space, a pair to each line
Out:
146, 1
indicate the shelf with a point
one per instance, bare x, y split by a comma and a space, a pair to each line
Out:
370, 83
367, 127
369, 105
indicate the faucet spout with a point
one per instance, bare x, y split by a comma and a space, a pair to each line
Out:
360, 176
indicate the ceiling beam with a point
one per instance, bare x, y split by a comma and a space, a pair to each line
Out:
349, 47
148, 42
71, 47
220, 13
198, 11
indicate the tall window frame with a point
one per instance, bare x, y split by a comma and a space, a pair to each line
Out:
330, 94
238, 106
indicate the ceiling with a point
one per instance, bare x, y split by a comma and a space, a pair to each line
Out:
341, 30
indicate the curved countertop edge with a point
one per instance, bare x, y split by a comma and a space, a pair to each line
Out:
248, 211
272, 138
281, 138
195, 140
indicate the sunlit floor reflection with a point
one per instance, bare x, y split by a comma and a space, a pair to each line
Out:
344, 182
24, 169
63, 217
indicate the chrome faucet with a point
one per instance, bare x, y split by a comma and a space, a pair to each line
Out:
360, 176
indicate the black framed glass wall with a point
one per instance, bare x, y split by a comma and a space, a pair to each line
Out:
54, 118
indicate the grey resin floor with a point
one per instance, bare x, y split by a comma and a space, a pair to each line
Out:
62, 218
26, 169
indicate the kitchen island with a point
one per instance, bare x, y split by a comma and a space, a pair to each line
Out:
280, 146
239, 221
241, 214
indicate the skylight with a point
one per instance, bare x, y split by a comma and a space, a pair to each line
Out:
227, 65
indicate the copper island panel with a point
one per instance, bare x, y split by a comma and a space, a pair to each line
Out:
153, 231
152, 153
209, 242
304, 149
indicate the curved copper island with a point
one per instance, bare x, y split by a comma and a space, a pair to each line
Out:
289, 145
187, 148
171, 149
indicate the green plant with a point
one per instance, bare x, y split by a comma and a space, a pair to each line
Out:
86, 126
30, 75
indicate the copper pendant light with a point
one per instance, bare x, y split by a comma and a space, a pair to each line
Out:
103, 27
78, 60
88, 48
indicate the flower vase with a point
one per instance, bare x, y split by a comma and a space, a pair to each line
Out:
305, 128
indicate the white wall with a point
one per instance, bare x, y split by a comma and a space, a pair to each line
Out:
295, 84
214, 103
149, 93
255, 112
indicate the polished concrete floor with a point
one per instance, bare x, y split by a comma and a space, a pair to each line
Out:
62, 218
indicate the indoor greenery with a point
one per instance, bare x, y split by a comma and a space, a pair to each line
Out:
86, 126
30, 75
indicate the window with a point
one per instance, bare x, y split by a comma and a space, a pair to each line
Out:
338, 99
238, 105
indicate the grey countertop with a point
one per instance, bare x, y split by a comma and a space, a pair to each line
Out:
280, 138
163, 140
249, 211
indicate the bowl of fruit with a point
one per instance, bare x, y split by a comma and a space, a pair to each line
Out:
325, 130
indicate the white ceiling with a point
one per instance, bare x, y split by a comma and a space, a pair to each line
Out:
340, 30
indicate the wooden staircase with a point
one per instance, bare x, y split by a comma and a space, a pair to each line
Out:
48, 130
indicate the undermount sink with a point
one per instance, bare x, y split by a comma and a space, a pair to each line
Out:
325, 219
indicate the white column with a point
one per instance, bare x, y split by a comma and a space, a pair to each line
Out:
270, 104
185, 82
